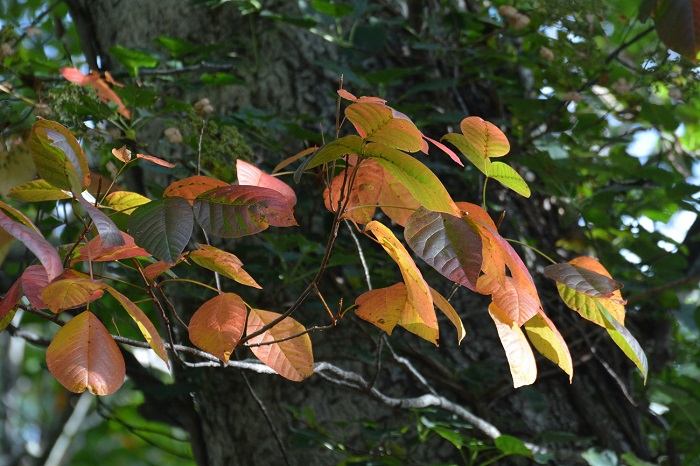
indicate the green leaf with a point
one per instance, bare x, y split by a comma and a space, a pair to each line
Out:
512, 446
58, 157
624, 339
333, 9
163, 227
220, 79
37, 191
377, 123
418, 179
235, 211
477, 159
133, 59
508, 177
348, 145
446, 243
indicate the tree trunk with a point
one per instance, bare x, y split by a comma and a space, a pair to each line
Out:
228, 425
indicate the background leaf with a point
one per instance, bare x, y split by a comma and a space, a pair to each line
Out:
83, 355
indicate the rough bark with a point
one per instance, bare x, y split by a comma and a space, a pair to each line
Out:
230, 428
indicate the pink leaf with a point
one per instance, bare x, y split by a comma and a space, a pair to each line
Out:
36, 243
249, 175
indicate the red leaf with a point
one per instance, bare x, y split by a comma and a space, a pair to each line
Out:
96, 251
34, 279
83, 355
582, 280
11, 299
249, 175
217, 326
36, 243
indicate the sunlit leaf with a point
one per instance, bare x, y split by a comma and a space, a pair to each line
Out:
485, 137
546, 339
293, 359
515, 301
58, 157
624, 339
418, 179
383, 306
124, 201
521, 360
222, 262
143, 323
479, 160
217, 326
395, 200
365, 192
364, 99
37, 191
163, 227
348, 145
582, 280
446, 243
96, 251
376, 123
250, 175
34, 279
83, 356
418, 291
508, 177
444, 305
67, 293
36, 243
110, 234
445, 149
235, 211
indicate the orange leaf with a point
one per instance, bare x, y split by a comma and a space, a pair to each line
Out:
484, 136
95, 251
395, 200
249, 175
377, 123
520, 357
69, 291
364, 195
154, 270
293, 359
364, 99
382, 307
217, 326
104, 92
143, 323
83, 355
222, 262
156, 160
191, 187
418, 291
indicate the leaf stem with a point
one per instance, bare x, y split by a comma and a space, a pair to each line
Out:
534, 249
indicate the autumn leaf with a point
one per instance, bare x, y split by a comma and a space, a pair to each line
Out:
418, 291
37, 191
582, 280
104, 92
163, 227
123, 154
546, 339
249, 175
156, 160
447, 243
83, 355
479, 142
444, 305
624, 340
218, 324
96, 251
395, 200
36, 243
142, 321
34, 279
293, 359
521, 360
10, 301
152, 271
235, 211
364, 195
110, 234
223, 263
71, 292
364, 99
383, 306
191, 187
376, 122
58, 157
124, 201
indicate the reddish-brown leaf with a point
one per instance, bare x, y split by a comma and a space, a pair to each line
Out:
250, 175
34, 279
110, 234
154, 270
364, 99
156, 160
83, 355
11, 299
293, 359
583, 280
191, 187
122, 154
95, 250
217, 326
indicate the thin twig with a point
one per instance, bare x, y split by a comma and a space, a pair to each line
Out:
361, 254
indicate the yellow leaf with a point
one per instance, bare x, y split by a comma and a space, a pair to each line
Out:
520, 357
548, 341
447, 309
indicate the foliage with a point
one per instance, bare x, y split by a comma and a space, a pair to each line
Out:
564, 137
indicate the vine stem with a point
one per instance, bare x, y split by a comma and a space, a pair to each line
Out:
534, 249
